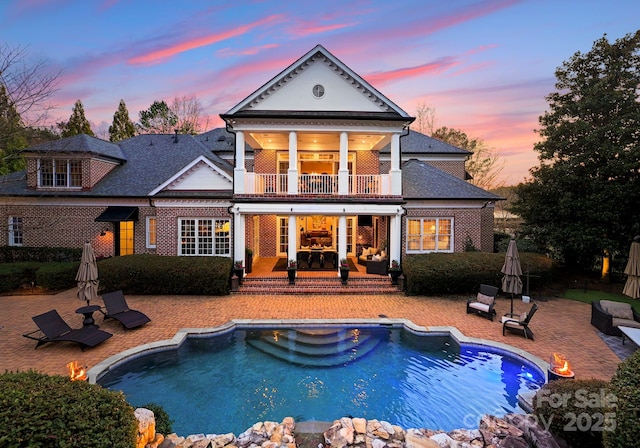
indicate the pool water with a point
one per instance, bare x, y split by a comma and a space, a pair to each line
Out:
229, 382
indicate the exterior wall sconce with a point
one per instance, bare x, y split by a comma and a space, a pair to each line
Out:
104, 231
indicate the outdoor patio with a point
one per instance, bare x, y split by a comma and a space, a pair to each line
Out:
560, 325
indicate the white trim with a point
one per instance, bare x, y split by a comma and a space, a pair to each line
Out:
428, 251
315, 208
12, 227
186, 169
213, 220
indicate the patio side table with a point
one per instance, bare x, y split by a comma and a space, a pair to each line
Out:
87, 312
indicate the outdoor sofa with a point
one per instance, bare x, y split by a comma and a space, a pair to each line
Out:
607, 316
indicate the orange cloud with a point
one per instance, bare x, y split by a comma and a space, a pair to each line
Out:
165, 53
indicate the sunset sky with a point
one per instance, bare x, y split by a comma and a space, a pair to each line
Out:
485, 66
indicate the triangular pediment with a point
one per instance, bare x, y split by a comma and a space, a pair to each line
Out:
296, 89
199, 175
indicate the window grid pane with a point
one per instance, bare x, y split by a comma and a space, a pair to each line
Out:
204, 237
221, 241
188, 237
430, 234
60, 170
15, 231
46, 173
151, 232
75, 173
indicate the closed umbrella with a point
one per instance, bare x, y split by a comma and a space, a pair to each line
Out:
511, 282
87, 276
632, 286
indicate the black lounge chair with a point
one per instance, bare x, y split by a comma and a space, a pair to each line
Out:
519, 323
52, 328
117, 308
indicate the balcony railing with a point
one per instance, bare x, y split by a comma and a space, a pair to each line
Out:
317, 184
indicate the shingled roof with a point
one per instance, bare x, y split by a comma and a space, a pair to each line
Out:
423, 181
81, 143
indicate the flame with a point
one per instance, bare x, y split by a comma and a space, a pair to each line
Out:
76, 373
561, 365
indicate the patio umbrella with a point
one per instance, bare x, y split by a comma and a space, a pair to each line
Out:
512, 271
87, 276
632, 286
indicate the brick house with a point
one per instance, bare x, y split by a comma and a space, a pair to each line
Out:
315, 158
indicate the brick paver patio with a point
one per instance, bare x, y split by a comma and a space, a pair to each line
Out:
560, 325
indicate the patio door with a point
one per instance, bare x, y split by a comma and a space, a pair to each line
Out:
283, 236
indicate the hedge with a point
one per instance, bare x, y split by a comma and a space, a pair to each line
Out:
163, 275
52, 411
625, 387
17, 254
462, 273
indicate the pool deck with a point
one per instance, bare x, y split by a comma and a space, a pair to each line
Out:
560, 325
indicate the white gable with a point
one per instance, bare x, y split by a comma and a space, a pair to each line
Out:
292, 89
339, 94
199, 175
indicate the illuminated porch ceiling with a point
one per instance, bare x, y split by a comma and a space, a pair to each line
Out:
317, 141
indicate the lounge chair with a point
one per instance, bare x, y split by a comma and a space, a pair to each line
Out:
52, 328
117, 308
519, 323
484, 302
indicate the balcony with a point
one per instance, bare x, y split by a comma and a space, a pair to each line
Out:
317, 184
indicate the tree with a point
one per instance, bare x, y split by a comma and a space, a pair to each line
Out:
158, 119
188, 111
484, 165
28, 86
583, 198
77, 124
425, 119
122, 127
25, 91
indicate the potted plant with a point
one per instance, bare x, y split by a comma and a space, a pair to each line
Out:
344, 270
238, 269
395, 270
249, 257
292, 266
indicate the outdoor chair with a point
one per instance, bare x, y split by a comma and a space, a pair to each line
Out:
117, 308
607, 316
519, 323
484, 302
52, 328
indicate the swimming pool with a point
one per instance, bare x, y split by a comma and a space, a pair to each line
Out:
246, 374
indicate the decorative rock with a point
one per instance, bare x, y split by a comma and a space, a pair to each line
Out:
172, 441
377, 443
359, 425
514, 442
146, 427
443, 440
289, 425
347, 434
222, 440
499, 427
202, 443
416, 439
535, 434
398, 432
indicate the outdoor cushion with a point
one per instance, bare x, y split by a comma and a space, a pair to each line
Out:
617, 309
479, 306
482, 298
625, 323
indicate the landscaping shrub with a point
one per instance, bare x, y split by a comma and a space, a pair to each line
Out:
462, 273
574, 410
625, 386
15, 275
163, 422
53, 411
17, 254
57, 276
155, 274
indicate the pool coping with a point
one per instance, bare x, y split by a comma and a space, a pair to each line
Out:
96, 372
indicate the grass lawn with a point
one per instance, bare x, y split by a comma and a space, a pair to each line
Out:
591, 295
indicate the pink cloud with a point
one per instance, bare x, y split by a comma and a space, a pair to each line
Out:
307, 28
381, 78
227, 52
170, 51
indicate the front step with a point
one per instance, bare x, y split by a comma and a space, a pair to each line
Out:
317, 285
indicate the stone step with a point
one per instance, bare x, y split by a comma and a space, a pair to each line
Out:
318, 355
317, 285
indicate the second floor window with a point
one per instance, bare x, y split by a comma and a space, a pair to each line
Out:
60, 173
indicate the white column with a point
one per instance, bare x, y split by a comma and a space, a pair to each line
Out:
238, 236
343, 170
394, 172
293, 164
293, 240
342, 238
395, 237
239, 171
